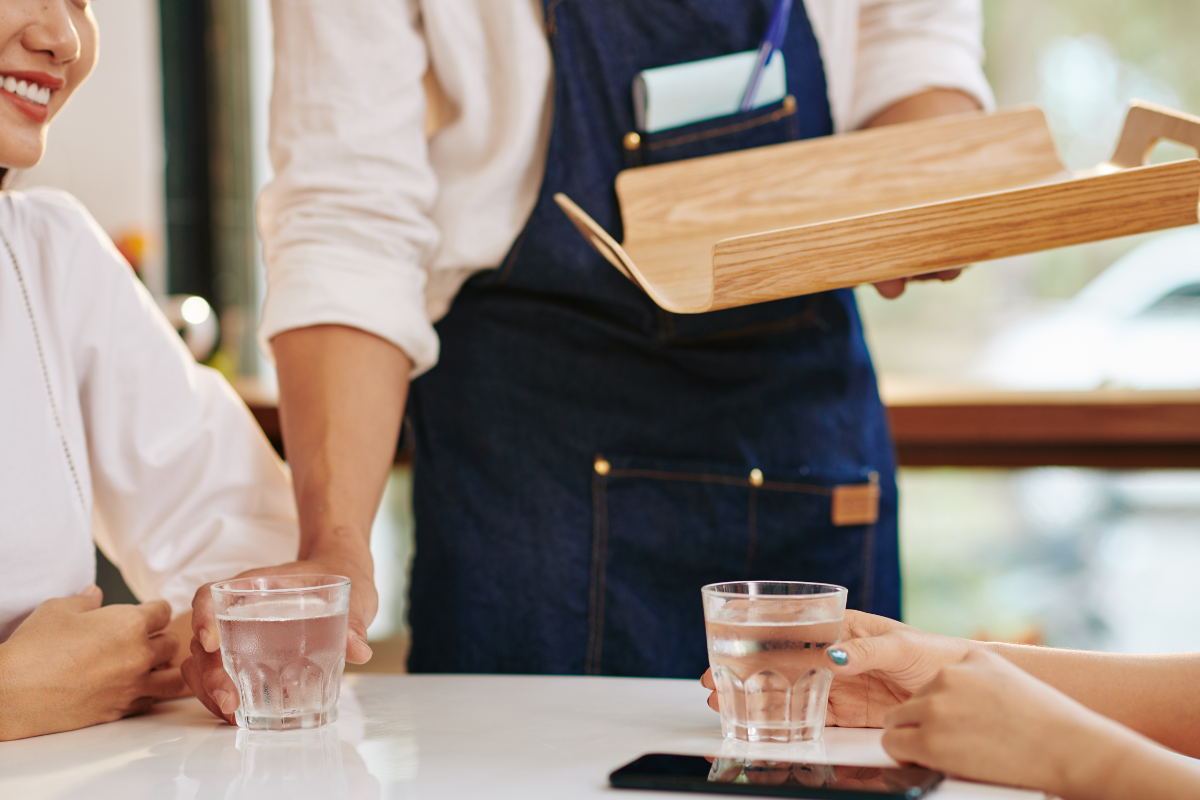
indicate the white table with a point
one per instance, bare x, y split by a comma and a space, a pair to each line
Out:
439, 737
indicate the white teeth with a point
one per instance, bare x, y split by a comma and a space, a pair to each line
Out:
30, 91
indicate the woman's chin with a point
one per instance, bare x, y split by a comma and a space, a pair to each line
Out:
19, 155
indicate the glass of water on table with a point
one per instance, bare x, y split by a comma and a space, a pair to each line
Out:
283, 642
766, 645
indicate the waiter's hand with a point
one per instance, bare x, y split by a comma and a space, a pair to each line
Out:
205, 672
893, 288
923, 105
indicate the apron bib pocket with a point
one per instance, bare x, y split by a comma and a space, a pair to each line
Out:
771, 124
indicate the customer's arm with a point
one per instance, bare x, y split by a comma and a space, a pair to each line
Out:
885, 662
986, 719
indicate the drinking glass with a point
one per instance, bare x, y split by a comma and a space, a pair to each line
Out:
766, 645
283, 642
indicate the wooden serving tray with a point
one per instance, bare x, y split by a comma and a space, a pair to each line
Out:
791, 219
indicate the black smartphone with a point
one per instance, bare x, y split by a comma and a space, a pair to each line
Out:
773, 778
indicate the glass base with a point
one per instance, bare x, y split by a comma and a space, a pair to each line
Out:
758, 733
295, 720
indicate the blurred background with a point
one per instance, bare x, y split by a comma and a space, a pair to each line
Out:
1093, 545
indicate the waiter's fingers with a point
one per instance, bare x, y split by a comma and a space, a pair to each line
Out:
357, 649
940, 275
204, 619
891, 289
206, 675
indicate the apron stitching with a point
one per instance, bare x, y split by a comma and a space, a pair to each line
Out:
753, 533
595, 604
775, 486
737, 127
867, 585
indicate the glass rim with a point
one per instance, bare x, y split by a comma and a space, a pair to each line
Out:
831, 589
325, 582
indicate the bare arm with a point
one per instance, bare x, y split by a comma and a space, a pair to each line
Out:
341, 401
986, 719
881, 663
1156, 695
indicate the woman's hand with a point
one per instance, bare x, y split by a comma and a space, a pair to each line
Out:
71, 664
876, 667
988, 720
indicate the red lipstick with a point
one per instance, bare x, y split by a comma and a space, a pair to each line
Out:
36, 112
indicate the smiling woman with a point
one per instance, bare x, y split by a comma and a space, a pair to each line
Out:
51, 48
108, 430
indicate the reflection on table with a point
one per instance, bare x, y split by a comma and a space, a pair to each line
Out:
416, 736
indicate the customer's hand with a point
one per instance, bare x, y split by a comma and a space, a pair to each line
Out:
879, 664
72, 664
882, 662
204, 671
988, 720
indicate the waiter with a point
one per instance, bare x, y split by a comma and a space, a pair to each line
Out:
585, 461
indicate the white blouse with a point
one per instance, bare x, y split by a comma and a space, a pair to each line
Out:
109, 429
369, 225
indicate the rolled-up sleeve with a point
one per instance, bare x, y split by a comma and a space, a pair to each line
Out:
909, 46
345, 222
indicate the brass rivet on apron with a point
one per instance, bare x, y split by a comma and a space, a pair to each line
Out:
602, 466
789, 104
633, 140
756, 478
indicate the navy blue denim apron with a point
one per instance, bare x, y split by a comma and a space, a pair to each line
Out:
585, 461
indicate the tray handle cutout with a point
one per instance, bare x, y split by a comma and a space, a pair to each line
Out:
1145, 125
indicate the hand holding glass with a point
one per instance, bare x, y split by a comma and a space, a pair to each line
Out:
283, 642
766, 645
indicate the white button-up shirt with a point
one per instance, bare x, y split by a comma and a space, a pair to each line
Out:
370, 225
108, 428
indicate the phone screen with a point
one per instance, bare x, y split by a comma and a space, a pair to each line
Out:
773, 778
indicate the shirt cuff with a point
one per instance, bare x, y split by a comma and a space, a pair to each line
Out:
328, 288
926, 63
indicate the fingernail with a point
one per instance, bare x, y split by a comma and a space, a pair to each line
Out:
225, 701
91, 590
839, 657
204, 638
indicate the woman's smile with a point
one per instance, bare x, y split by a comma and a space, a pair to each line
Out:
30, 92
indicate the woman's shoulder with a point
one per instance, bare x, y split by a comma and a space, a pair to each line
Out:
41, 209
55, 234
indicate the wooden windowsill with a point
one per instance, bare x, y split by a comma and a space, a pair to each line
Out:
972, 427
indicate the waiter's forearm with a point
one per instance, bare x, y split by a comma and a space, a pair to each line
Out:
341, 402
925, 105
